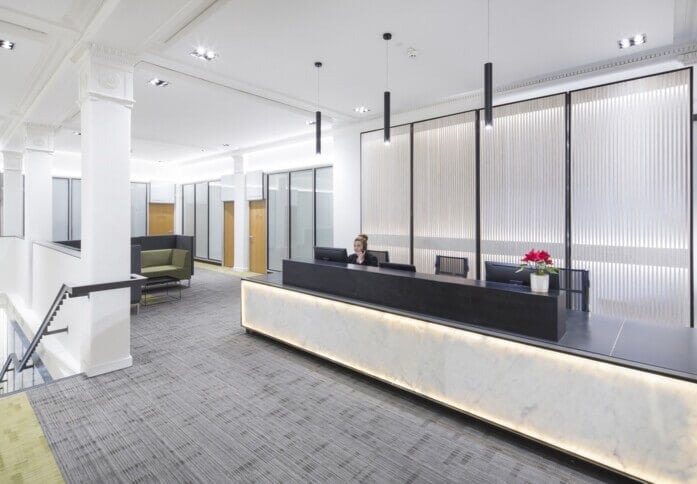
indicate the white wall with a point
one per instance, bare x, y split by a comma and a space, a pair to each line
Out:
9, 270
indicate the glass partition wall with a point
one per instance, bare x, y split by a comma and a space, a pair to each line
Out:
300, 214
202, 217
600, 177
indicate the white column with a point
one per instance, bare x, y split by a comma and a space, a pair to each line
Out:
241, 217
38, 187
106, 98
12, 194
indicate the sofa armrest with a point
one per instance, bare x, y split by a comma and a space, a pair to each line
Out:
180, 258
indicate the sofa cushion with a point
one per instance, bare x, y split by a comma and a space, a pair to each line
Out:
150, 258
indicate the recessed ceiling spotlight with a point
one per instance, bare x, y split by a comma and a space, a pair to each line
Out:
361, 109
226, 145
412, 53
77, 133
158, 82
205, 54
310, 123
203, 150
638, 39
6, 44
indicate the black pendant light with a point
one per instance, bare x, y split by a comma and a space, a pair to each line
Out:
387, 36
488, 79
318, 117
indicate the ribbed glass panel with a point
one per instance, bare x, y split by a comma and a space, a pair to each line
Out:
215, 221
202, 220
61, 204
301, 213
630, 207
444, 191
75, 209
139, 209
522, 170
324, 209
385, 192
278, 219
188, 209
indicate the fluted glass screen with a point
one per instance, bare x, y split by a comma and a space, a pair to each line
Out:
202, 220
278, 218
139, 209
188, 209
630, 209
444, 191
385, 192
75, 209
301, 214
523, 180
215, 221
324, 207
61, 209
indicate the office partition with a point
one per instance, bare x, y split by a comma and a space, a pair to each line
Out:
61, 209
522, 180
215, 222
324, 207
445, 190
201, 214
76, 209
188, 209
139, 209
631, 196
386, 192
301, 214
278, 217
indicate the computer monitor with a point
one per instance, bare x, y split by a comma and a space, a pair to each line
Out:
394, 265
331, 254
507, 273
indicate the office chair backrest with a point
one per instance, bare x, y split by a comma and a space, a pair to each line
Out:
382, 255
453, 266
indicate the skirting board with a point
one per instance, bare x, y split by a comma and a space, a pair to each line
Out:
107, 367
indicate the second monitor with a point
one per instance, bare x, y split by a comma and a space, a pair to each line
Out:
331, 254
508, 274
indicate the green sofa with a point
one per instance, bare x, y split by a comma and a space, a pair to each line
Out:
166, 262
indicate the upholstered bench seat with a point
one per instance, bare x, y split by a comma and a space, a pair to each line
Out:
166, 262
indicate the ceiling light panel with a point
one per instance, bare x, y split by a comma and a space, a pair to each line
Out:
7, 45
204, 54
158, 82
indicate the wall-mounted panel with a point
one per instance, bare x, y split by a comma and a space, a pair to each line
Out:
227, 182
386, 192
255, 185
523, 162
630, 208
162, 192
444, 190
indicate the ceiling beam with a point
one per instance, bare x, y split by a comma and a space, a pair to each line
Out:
37, 24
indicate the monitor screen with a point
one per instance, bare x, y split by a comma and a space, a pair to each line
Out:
507, 273
331, 254
394, 265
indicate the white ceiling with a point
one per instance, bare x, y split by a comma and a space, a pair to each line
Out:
262, 87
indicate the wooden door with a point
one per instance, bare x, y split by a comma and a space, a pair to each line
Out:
229, 235
161, 219
257, 236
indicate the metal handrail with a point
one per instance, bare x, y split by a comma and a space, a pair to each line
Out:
64, 293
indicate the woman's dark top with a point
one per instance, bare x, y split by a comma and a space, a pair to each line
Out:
368, 260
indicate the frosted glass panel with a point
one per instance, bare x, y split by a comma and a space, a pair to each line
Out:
278, 220
324, 210
444, 191
202, 220
61, 200
75, 209
522, 169
139, 209
630, 209
215, 222
385, 192
301, 213
188, 208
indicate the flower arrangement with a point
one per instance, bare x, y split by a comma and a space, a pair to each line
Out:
538, 260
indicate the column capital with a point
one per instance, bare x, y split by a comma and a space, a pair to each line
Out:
39, 137
12, 160
106, 73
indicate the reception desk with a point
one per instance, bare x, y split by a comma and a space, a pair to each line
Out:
622, 394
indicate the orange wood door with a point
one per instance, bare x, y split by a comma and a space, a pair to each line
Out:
257, 236
229, 234
161, 219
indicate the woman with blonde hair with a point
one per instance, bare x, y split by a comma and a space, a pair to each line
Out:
360, 255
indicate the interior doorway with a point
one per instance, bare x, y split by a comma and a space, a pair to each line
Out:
229, 234
257, 236
161, 219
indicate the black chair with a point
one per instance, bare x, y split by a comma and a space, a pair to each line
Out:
452, 266
576, 283
382, 255
399, 267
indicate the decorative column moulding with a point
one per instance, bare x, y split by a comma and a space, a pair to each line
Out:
39, 137
106, 73
12, 160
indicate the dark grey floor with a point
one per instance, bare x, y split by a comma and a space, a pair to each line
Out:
205, 402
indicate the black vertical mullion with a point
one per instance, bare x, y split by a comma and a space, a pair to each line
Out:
477, 195
411, 193
692, 177
567, 190
314, 207
290, 215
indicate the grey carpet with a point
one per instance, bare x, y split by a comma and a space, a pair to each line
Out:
205, 402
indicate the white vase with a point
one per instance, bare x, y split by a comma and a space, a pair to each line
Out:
539, 283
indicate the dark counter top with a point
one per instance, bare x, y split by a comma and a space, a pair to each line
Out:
653, 347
